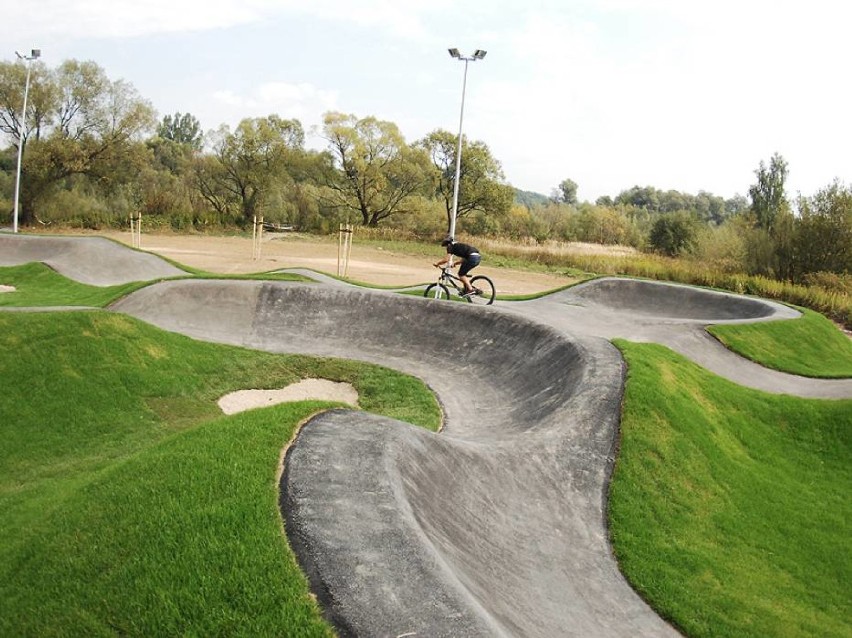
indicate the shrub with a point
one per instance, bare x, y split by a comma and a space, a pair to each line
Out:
673, 234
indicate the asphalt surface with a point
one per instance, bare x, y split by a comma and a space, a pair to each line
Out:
90, 260
496, 526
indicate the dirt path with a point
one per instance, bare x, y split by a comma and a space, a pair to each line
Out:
367, 264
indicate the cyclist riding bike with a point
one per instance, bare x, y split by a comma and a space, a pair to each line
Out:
469, 256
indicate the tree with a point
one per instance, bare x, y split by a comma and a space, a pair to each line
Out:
824, 237
249, 161
735, 205
481, 181
378, 175
40, 100
183, 129
85, 125
568, 192
647, 198
767, 196
673, 233
209, 180
600, 225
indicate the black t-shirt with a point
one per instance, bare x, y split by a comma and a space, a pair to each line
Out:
461, 250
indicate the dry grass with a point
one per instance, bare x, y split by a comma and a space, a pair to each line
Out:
558, 248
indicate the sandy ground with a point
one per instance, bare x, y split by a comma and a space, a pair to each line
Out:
367, 264
305, 390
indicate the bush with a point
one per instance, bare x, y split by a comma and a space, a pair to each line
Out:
673, 234
720, 248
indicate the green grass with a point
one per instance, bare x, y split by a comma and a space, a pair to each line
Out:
811, 346
729, 508
130, 504
38, 285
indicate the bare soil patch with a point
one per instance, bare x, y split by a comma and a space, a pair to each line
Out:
367, 263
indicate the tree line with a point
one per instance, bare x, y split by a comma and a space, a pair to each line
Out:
95, 153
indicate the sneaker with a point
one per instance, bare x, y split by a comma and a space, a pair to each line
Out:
471, 293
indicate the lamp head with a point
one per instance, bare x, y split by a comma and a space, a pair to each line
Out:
455, 53
479, 54
36, 53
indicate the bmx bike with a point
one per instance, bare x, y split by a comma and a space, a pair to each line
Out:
483, 288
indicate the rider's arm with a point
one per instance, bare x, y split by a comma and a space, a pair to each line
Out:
438, 264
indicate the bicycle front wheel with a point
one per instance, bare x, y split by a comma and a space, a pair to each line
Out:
437, 291
485, 291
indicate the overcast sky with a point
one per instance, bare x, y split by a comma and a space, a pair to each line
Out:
677, 94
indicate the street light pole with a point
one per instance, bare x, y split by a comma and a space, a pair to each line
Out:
29, 58
477, 55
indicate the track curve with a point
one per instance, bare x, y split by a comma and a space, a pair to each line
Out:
496, 527
96, 261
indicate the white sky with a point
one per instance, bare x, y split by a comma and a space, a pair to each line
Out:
677, 94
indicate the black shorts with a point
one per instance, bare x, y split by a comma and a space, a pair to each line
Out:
469, 264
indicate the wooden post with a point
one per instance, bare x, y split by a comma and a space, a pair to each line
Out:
256, 236
136, 230
344, 249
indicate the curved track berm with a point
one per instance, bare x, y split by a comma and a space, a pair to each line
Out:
96, 261
493, 527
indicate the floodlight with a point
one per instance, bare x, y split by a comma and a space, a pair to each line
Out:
35, 53
477, 55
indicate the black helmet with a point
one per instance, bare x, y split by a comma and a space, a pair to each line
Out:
447, 241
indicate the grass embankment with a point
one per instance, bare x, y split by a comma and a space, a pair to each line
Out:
37, 285
810, 346
130, 504
729, 508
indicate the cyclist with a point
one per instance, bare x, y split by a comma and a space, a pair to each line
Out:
470, 259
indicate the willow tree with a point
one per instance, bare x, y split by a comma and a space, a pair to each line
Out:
377, 174
249, 162
81, 123
482, 186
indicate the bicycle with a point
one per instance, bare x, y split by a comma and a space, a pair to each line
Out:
483, 288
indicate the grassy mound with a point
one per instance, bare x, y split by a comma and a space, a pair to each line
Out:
729, 507
810, 346
130, 504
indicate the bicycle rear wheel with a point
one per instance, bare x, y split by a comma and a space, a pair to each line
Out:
485, 291
437, 291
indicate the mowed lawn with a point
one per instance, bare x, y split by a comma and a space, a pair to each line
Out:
729, 508
810, 346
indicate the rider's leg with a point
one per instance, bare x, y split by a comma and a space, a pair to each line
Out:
465, 268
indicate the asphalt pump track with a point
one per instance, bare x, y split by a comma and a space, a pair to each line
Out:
496, 526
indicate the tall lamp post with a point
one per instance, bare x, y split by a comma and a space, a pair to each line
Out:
36, 53
477, 55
